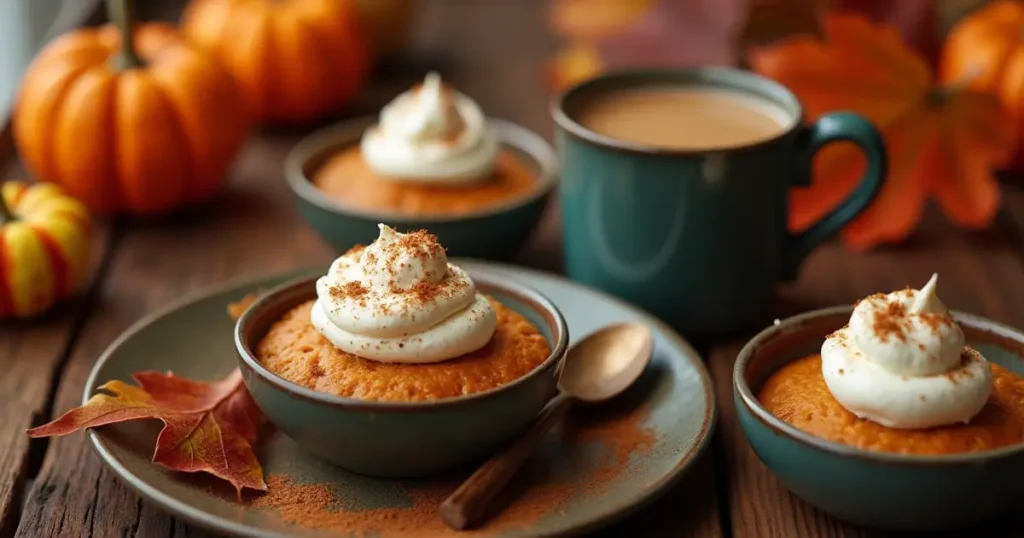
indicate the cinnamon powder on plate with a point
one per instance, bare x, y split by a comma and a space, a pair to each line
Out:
544, 487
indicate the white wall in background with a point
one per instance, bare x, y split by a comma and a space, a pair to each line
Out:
23, 24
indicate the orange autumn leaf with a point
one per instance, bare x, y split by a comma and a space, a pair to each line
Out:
943, 141
208, 427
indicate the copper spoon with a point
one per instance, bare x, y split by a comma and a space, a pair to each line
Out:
596, 369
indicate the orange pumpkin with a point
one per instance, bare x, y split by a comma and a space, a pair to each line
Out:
141, 128
45, 246
985, 51
297, 61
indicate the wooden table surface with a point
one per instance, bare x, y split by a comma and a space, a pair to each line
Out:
494, 51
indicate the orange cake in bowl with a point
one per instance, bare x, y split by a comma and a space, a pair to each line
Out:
294, 350
899, 378
798, 395
432, 154
396, 322
895, 413
397, 363
429, 160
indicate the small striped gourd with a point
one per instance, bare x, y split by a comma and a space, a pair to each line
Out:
45, 246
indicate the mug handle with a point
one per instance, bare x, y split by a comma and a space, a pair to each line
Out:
834, 127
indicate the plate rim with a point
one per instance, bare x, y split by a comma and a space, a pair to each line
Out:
205, 520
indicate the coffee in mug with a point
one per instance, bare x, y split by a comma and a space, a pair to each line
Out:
683, 118
675, 186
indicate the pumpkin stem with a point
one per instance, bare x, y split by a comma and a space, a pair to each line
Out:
5, 212
121, 14
961, 83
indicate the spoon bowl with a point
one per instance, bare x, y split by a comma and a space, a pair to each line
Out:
607, 362
596, 369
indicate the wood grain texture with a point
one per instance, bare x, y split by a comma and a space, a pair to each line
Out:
31, 355
1011, 218
759, 505
978, 272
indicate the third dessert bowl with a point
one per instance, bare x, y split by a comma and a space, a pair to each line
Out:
894, 414
397, 363
431, 160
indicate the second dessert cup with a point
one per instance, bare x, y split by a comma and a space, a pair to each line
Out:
876, 489
492, 232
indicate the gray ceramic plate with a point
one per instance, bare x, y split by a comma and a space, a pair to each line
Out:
604, 464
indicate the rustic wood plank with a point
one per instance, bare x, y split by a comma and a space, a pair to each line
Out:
1011, 218
759, 505
979, 272
31, 354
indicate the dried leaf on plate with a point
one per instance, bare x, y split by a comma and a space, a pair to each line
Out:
208, 427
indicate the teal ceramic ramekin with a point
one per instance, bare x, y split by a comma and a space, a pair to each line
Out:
397, 439
875, 489
493, 232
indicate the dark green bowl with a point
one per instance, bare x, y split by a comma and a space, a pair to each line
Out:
395, 439
874, 489
495, 232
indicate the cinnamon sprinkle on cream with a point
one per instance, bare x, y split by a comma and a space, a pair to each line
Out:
890, 321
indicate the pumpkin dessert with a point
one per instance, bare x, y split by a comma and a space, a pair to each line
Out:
394, 321
899, 378
432, 154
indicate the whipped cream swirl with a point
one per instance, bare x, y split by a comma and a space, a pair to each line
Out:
432, 135
399, 300
903, 363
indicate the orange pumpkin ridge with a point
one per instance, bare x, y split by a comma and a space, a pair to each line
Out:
145, 135
296, 61
61, 271
986, 47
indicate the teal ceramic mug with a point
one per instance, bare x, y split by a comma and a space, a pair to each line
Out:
698, 237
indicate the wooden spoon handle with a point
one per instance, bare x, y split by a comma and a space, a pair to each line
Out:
466, 507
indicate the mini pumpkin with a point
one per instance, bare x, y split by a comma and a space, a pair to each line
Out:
984, 50
297, 61
45, 245
143, 126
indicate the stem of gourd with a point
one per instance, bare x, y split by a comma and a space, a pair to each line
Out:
5, 212
121, 14
959, 84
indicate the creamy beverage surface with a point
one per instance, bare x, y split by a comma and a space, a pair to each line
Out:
683, 118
